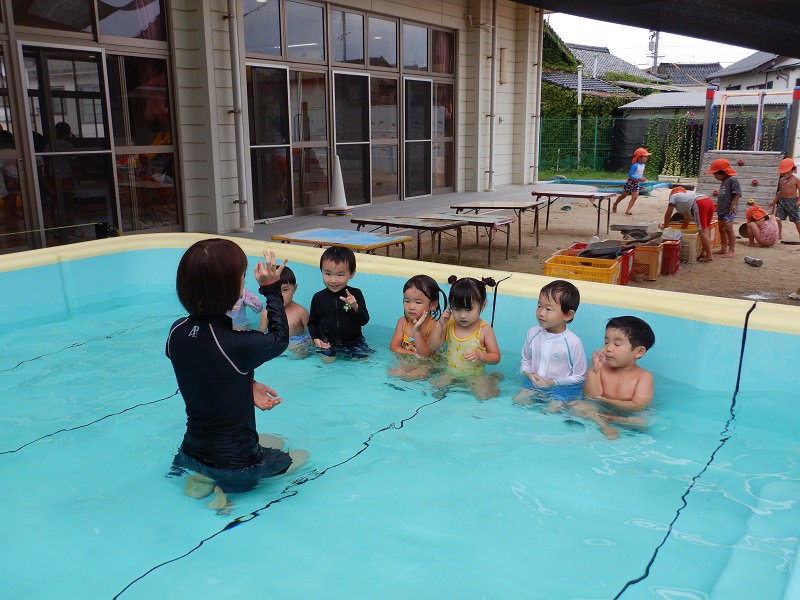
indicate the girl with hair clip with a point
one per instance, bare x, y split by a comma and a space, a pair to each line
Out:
421, 311
470, 340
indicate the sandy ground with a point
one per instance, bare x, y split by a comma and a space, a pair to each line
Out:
725, 277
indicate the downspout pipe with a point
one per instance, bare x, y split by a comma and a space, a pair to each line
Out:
537, 101
245, 225
493, 98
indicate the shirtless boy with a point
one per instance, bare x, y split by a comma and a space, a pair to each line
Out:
295, 314
614, 381
787, 198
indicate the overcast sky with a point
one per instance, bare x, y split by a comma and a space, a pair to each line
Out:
632, 44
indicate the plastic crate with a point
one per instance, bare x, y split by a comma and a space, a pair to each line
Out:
690, 247
713, 233
647, 261
625, 261
599, 270
671, 259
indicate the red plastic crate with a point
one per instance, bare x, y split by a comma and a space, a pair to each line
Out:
671, 261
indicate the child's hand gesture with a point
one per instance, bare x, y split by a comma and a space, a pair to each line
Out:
349, 300
264, 397
266, 272
419, 323
598, 358
473, 355
539, 381
445, 318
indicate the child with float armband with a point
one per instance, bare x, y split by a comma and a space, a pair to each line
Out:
471, 342
421, 312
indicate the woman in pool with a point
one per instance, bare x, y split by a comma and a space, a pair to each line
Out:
421, 311
214, 366
470, 340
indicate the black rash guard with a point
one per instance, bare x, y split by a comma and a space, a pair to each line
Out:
214, 367
330, 322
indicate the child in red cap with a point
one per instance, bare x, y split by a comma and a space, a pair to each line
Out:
692, 206
727, 202
787, 202
635, 177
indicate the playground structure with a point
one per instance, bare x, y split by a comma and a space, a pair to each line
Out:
756, 168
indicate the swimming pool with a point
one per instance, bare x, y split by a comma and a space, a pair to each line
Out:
612, 185
406, 495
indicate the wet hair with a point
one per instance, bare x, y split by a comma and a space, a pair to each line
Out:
209, 279
287, 276
339, 256
431, 290
563, 292
637, 331
466, 291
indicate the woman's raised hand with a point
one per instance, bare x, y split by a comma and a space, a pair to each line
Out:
267, 272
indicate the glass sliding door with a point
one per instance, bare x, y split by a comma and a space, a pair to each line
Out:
13, 218
443, 146
268, 105
69, 121
418, 94
352, 101
385, 138
309, 130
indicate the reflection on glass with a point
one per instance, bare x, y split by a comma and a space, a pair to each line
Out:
138, 91
443, 60
443, 110
443, 165
65, 15
418, 110
307, 95
310, 176
418, 169
268, 106
384, 171
304, 31
262, 27
354, 160
352, 108
347, 37
148, 197
77, 192
10, 196
271, 190
383, 98
382, 43
77, 100
141, 19
415, 48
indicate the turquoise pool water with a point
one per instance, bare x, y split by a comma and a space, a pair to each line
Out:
406, 495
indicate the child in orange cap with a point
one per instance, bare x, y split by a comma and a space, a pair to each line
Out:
635, 177
696, 206
787, 200
727, 202
761, 229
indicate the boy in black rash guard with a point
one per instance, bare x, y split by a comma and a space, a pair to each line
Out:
338, 311
214, 366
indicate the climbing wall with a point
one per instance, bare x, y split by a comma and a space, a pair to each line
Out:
757, 173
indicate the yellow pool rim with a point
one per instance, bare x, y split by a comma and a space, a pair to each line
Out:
770, 317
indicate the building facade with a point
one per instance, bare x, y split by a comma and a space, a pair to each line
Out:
138, 115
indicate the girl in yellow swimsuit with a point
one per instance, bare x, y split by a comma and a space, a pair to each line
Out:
421, 310
471, 342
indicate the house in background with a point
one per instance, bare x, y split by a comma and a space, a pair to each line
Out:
597, 61
688, 74
759, 71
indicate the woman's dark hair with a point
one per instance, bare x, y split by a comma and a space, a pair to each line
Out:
209, 280
465, 292
431, 290
637, 331
287, 276
563, 292
339, 255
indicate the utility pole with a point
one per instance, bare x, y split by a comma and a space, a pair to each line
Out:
654, 50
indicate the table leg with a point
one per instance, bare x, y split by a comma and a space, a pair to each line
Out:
490, 231
458, 244
402, 249
508, 238
599, 208
547, 220
519, 229
608, 216
419, 244
433, 246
